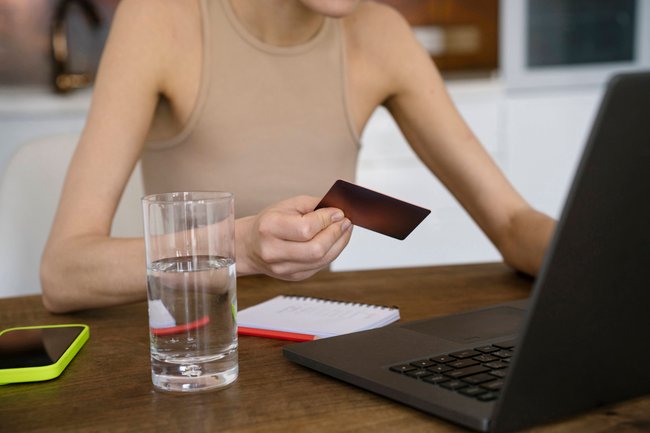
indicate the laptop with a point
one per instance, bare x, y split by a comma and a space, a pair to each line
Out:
580, 341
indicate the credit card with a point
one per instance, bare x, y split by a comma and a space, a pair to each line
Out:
373, 210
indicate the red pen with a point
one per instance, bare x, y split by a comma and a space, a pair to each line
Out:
181, 328
267, 333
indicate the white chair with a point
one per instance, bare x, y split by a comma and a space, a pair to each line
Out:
29, 194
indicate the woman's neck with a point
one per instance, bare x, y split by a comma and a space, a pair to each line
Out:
278, 22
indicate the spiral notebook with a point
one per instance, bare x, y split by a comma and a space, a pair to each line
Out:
303, 318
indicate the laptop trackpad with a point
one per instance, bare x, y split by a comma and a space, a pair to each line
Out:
473, 326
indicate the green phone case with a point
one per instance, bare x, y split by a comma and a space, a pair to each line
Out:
47, 372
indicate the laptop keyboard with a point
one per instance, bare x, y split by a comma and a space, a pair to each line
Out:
477, 373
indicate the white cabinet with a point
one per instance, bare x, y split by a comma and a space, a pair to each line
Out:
545, 133
26, 114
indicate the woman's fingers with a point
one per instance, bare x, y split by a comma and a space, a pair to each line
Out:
297, 265
290, 240
316, 251
291, 221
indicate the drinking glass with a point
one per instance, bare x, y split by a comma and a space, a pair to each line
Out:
191, 290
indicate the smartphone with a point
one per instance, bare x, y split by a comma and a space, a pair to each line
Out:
36, 353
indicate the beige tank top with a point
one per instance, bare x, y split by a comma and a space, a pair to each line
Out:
269, 123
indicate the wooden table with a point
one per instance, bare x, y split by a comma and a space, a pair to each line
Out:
107, 387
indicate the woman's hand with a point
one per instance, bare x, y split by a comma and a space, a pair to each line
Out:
289, 240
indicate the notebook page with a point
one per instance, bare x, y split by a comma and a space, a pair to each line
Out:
314, 316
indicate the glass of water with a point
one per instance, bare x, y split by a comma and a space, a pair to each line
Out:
191, 289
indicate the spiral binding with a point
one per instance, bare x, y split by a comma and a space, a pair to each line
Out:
337, 301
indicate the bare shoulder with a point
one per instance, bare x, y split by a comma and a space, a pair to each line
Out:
382, 45
147, 41
383, 56
376, 28
155, 28
158, 14
372, 12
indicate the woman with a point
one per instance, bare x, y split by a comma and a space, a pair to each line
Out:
265, 98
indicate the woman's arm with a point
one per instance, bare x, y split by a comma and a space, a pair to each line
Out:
82, 266
419, 102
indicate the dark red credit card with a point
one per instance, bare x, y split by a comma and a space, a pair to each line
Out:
373, 210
